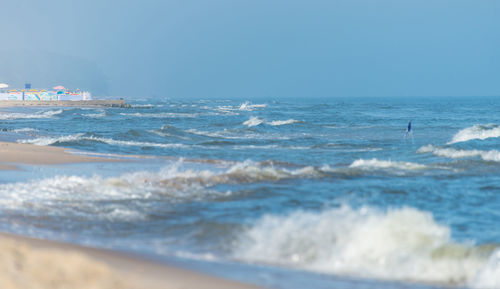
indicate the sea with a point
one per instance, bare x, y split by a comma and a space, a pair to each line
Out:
278, 192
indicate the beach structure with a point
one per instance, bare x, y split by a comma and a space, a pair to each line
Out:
56, 93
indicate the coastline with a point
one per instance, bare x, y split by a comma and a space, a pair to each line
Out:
27, 262
15, 153
36, 263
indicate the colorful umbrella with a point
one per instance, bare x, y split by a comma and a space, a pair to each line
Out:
59, 87
4, 85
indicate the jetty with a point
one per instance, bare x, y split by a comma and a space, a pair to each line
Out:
76, 103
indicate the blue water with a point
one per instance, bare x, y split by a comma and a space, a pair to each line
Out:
283, 193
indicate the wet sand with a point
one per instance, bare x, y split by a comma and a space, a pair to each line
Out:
15, 153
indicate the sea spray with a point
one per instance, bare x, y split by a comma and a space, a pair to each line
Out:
477, 131
491, 155
403, 244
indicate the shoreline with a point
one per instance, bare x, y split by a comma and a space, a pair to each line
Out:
27, 262
12, 154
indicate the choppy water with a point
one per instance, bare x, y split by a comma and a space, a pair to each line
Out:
284, 193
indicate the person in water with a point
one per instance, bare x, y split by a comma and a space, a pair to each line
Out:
408, 131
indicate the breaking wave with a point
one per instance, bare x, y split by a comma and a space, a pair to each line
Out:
283, 122
380, 164
96, 115
477, 131
491, 156
253, 121
18, 115
173, 183
161, 115
45, 141
249, 107
399, 244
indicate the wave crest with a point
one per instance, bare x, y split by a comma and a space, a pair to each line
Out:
490, 156
249, 107
283, 122
38, 115
477, 131
253, 121
380, 164
400, 244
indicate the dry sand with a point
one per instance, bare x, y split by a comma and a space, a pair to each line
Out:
27, 263
12, 153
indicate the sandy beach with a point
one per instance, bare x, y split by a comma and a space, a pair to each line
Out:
42, 264
27, 263
15, 153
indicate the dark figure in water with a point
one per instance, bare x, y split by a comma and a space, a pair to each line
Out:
408, 132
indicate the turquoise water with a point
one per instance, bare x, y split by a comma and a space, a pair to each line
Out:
302, 193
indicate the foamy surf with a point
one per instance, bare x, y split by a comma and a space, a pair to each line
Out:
175, 182
477, 131
161, 115
374, 164
399, 244
45, 141
490, 156
255, 121
283, 122
37, 115
249, 107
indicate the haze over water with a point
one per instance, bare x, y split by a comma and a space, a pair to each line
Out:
283, 193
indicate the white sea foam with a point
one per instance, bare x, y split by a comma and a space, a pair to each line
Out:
491, 155
283, 122
477, 131
44, 141
249, 107
70, 195
253, 121
161, 115
18, 115
399, 244
374, 164
100, 114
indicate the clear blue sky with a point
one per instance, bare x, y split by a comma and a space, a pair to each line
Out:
253, 48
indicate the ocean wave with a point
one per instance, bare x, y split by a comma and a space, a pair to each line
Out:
247, 106
45, 141
24, 130
374, 164
96, 115
477, 131
253, 121
38, 115
491, 156
283, 122
161, 115
175, 182
400, 244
